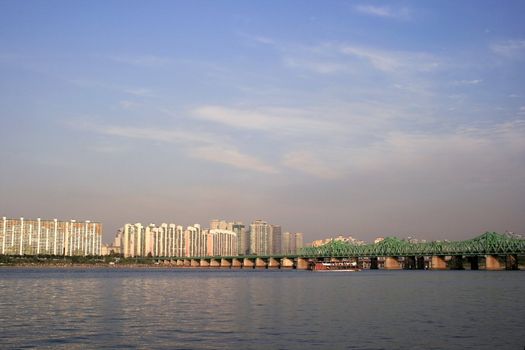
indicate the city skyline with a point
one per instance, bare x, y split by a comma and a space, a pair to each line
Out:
221, 238
356, 118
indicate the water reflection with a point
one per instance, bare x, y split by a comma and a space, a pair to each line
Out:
191, 309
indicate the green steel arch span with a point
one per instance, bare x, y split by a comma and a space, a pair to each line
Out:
489, 243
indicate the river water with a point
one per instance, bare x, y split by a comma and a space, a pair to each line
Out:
260, 309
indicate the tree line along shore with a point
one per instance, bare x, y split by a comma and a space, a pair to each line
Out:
74, 261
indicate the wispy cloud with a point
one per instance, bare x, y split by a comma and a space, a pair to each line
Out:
205, 146
392, 61
467, 82
384, 11
231, 156
513, 48
142, 92
284, 120
264, 40
126, 104
130, 90
329, 58
257, 39
152, 134
463, 153
317, 66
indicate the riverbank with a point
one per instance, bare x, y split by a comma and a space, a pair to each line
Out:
86, 266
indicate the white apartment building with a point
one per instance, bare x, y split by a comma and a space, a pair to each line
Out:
259, 238
171, 240
49, 237
139, 240
222, 243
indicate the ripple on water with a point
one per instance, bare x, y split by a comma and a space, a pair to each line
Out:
185, 309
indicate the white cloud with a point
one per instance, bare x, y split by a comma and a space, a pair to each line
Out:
317, 66
477, 154
125, 104
153, 134
384, 11
463, 154
283, 120
135, 91
393, 61
262, 39
514, 48
231, 156
329, 58
142, 92
467, 82
203, 145
257, 39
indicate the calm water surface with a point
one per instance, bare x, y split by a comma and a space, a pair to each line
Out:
221, 309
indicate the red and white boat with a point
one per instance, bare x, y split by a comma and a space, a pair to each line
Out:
348, 266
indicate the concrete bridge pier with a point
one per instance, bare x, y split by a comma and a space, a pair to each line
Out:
273, 263
437, 262
226, 263
205, 263
260, 263
236, 263
286, 263
302, 264
511, 262
494, 263
215, 263
392, 263
248, 263
374, 263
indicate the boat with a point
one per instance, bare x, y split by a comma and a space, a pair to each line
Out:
348, 266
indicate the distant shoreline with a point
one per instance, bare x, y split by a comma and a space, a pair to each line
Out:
94, 266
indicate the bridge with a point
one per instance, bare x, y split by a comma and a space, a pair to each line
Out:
490, 251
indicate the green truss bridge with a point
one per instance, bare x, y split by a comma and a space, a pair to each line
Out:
490, 243
491, 251
499, 251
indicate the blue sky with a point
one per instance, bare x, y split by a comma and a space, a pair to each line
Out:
337, 117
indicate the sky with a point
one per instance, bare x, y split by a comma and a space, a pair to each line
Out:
362, 118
